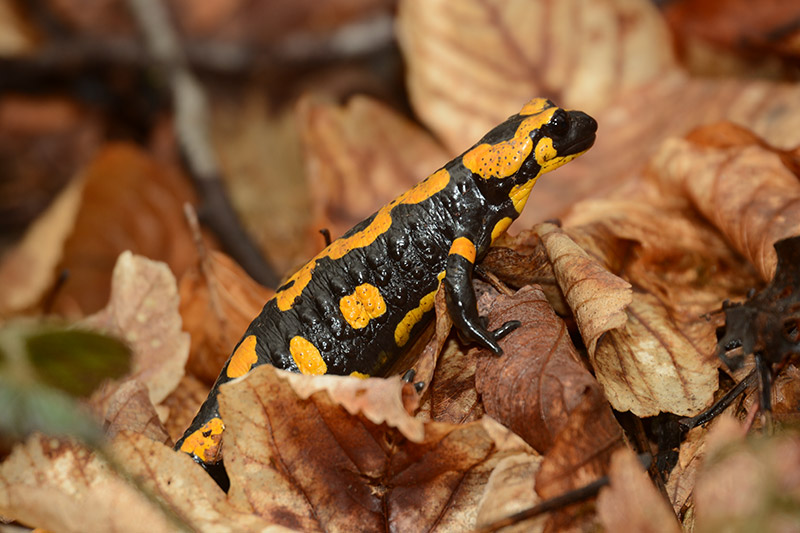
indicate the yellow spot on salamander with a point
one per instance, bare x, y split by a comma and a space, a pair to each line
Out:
500, 228
383, 220
402, 333
243, 358
362, 306
535, 106
359, 375
307, 356
463, 247
505, 158
205, 443
545, 152
519, 194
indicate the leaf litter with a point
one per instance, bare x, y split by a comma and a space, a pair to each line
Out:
655, 238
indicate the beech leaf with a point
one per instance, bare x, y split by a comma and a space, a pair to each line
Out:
143, 310
645, 359
746, 192
298, 457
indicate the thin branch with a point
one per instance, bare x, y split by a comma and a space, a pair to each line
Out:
192, 123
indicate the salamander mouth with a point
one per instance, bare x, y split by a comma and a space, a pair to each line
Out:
578, 145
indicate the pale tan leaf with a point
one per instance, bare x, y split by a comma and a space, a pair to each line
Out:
378, 400
746, 192
510, 490
598, 298
359, 157
143, 310
632, 503
646, 359
473, 63
655, 364
59, 485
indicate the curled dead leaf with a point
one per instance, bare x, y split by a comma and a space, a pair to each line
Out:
646, 359
746, 192
143, 310
598, 298
309, 463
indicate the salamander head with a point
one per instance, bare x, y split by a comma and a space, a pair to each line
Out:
538, 139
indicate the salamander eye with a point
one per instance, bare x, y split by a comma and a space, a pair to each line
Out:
559, 123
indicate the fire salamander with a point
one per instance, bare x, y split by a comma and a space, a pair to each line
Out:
354, 307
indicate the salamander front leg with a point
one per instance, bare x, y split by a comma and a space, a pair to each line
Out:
461, 303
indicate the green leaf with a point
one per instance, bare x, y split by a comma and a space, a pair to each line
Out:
76, 361
31, 408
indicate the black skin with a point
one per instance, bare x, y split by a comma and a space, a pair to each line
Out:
403, 263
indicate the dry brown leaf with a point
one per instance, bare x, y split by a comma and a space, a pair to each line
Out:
130, 202
646, 359
539, 381
598, 298
129, 409
308, 464
360, 157
631, 502
745, 192
655, 363
452, 396
748, 484
59, 485
663, 247
218, 300
510, 490
29, 269
182, 405
581, 451
143, 310
473, 63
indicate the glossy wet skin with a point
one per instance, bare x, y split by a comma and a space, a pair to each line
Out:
359, 303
